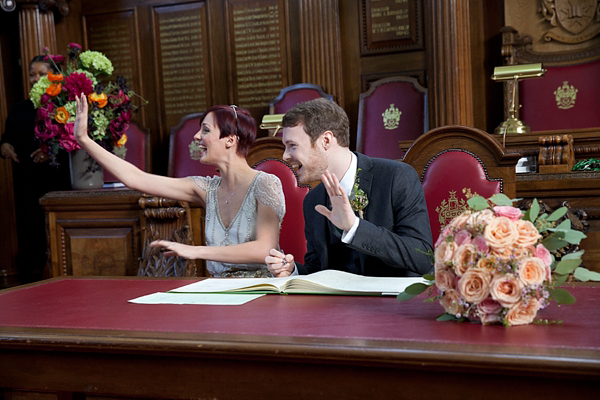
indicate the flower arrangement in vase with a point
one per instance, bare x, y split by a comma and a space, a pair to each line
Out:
54, 98
494, 263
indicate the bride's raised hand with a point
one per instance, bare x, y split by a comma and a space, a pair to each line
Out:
81, 118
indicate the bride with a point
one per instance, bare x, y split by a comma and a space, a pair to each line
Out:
244, 207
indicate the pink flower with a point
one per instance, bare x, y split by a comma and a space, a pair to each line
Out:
67, 139
480, 244
57, 58
78, 83
74, 45
462, 237
445, 279
45, 98
445, 232
489, 306
543, 253
509, 212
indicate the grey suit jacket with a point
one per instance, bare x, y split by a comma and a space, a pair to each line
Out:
391, 239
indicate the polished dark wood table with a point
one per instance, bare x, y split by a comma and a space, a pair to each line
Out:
80, 338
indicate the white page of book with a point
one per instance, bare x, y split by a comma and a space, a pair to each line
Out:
196, 298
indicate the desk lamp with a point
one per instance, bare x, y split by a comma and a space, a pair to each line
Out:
272, 122
515, 72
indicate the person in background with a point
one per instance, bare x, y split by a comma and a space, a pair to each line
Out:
244, 207
367, 217
33, 177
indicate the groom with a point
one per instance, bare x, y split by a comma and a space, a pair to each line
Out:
388, 237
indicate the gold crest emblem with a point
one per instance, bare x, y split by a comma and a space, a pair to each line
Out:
450, 208
391, 117
565, 96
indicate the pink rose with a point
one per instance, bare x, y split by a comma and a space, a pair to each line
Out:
474, 285
532, 271
480, 244
444, 252
501, 232
445, 232
528, 233
465, 256
506, 289
542, 253
462, 237
489, 306
509, 212
444, 279
522, 312
451, 302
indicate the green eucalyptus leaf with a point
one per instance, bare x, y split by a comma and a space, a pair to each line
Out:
563, 226
576, 254
553, 242
557, 214
584, 275
574, 237
500, 199
416, 288
534, 210
567, 266
477, 203
446, 317
404, 296
561, 296
429, 277
560, 280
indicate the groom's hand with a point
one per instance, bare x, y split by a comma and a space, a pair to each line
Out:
341, 214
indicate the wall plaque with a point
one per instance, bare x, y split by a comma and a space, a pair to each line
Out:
183, 61
391, 25
257, 51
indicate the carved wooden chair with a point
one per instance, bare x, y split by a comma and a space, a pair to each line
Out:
183, 158
393, 109
291, 95
458, 162
136, 150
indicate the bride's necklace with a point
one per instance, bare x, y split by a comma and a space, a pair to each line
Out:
230, 196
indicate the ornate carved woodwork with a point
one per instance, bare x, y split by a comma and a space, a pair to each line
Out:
165, 219
556, 153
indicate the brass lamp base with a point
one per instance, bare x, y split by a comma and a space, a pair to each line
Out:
512, 126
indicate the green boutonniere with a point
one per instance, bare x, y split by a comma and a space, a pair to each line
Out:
358, 198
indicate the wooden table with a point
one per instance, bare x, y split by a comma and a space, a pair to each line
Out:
80, 338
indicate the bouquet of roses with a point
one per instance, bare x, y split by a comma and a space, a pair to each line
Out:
54, 98
494, 263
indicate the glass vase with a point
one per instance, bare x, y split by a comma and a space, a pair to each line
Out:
86, 173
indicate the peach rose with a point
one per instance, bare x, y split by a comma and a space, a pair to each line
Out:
488, 263
462, 237
532, 271
500, 232
474, 285
522, 312
459, 222
528, 234
445, 252
509, 212
480, 244
506, 289
444, 279
464, 257
512, 253
490, 319
451, 302
438, 266
478, 220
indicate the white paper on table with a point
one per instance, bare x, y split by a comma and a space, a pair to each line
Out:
196, 298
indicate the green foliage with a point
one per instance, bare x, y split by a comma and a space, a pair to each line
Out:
565, 267
478, 203
556, 215
500, 199
584, 275
561, 296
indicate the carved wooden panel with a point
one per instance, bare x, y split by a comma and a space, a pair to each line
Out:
320, 45
257, 52
391, 25
182, 62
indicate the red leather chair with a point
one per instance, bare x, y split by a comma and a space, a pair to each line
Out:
181, 163
456, 162
291, 237
393, 109
137, 150
294, 94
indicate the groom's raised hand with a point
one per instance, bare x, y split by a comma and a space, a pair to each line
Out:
341, 214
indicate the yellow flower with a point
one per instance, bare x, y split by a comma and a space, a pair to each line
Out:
62, 115
122, 141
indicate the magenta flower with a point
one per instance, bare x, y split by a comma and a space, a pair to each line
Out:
77, 83
67, 139
75, 46
57, 58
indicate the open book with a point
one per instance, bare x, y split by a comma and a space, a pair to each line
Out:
322, 282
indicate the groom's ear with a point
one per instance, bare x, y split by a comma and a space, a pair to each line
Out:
327, 139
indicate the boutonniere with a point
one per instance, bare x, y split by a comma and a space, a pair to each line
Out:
358, 198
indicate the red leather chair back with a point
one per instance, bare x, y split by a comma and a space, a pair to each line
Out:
137, 148
449, 179
393, 109
291, 237
548, 103
181, 163
294, 94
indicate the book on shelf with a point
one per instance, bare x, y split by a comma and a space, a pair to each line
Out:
322, 282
